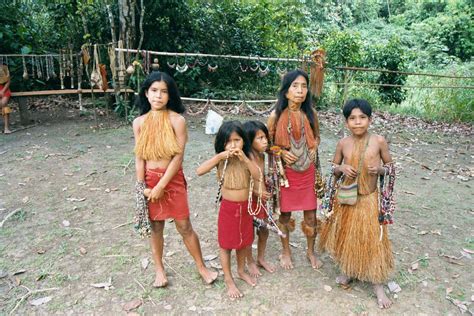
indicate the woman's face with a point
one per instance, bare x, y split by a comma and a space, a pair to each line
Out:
158, 95
260, 142
234, 142
297, 91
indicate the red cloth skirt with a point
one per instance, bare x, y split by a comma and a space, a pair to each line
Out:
263, 213
7, 92
234, 225
300, 195
174, 202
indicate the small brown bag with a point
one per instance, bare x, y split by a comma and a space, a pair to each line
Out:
347, 194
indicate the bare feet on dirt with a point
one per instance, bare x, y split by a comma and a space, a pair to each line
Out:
160, 279
253, 270
267, 266
315, 262
343, 280
7, 131
382, 300
247, 278
232, 290
285, 261
207, 275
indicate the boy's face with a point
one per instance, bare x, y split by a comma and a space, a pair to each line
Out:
358, 122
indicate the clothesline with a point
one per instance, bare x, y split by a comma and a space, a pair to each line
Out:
257, 58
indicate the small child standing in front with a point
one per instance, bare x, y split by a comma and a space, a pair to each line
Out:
355, 233
258, 136
235, 222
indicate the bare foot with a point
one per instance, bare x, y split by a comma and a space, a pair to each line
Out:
267, 266
285, 261
7, 131
207, 275
253, 270
343, 280
160, 279
232, 290
382, 299
146, 192
315, 262
247, 278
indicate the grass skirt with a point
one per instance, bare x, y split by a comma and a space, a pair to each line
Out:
352, 236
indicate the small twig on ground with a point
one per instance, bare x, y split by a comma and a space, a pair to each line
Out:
30, 292
127, 165
3, 152
124, 224
179, 274
144, 290
8, 216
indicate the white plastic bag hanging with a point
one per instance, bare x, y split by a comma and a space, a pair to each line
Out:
213, 122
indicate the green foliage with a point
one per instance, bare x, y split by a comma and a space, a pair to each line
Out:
396, 35
441, 104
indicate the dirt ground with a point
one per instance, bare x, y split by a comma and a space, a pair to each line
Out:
70, 248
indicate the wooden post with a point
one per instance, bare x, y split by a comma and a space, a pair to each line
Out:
24, 115
346, 88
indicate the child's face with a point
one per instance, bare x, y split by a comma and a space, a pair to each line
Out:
297, 91
358, 122
260, 142
234, 142
158, 95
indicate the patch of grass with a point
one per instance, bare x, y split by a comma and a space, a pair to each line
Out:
360, 308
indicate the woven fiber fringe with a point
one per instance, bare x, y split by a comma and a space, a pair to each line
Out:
352, 237
157, 139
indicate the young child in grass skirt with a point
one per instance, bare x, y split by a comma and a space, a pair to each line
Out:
160, 138
354, 234
235, 219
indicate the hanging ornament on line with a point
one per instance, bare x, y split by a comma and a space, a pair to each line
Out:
211, 68
243, 68
254, 69
155, 66
130, 70
263, 72
173, 66
25, 70
201, 63
182, 68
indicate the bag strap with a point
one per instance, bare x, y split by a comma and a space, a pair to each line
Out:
362, 154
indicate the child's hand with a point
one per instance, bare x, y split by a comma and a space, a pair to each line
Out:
156, 193
224, 155
374, 170
348, 171
266, 195
288, 157
237, 152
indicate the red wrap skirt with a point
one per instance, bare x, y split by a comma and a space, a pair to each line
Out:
300, 195
7, 92
234, 225
174, 202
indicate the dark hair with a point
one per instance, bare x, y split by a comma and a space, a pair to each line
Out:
282, 102
224, 133
174, 103
361, 104
252, 127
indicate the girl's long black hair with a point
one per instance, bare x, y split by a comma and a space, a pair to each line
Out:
174, 103
252, 127
226, 129
282, 102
